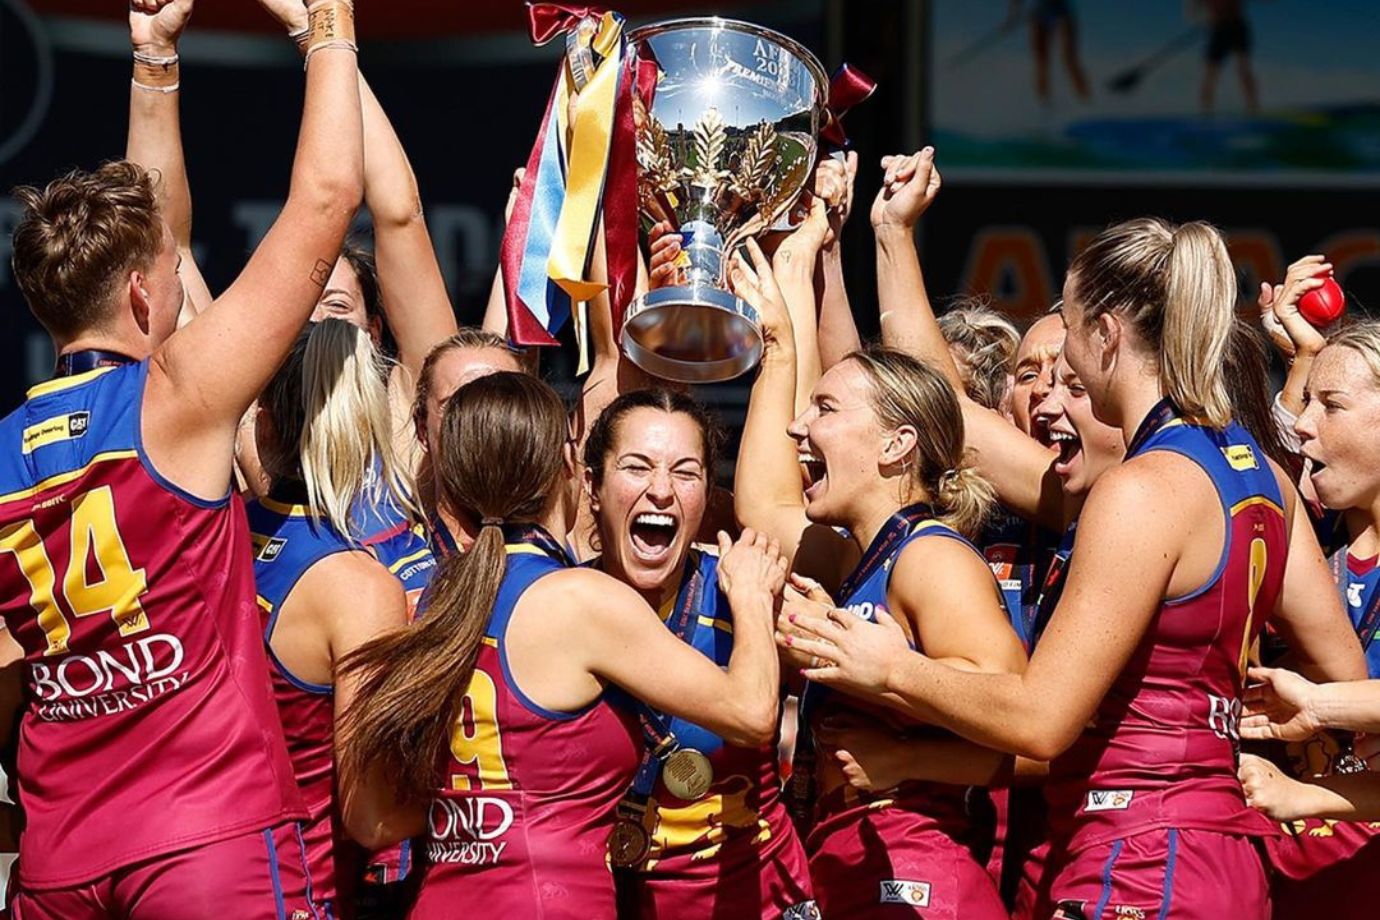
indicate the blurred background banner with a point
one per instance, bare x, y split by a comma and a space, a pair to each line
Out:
1029, 173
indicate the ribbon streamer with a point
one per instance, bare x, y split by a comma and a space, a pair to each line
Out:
848, 87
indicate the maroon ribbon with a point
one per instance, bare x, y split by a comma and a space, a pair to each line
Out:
547, 20
620, 188
848, 87
523, 327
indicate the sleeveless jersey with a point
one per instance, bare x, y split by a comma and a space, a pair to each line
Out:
150, 725
1162, 748
940, 805
383, 527
521, 821
742, 817
287, 543
1017, 551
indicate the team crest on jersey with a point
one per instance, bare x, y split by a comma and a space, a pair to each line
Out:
1126, 912
1240, 457
266, 549
65, 427
1353, 593
805, 910
1108, 800
900, 891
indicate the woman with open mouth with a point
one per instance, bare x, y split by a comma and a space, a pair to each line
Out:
1141, 733
489, 724
724, 841
886, 502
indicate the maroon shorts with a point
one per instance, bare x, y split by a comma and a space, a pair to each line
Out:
890, 862
740, 874
257, 876
1161, 875
1325, 869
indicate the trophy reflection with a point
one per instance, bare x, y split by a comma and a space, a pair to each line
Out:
723, 153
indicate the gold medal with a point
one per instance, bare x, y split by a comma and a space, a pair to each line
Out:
629, 844
687, 774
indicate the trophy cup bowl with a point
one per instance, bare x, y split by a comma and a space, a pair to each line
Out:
723, 153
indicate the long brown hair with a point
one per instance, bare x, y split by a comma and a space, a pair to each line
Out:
501, 460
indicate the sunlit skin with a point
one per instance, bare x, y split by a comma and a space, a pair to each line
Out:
655, 471
1032, 377
452, 370
158, 292
839, 440
1087, 351
1340, 431
1087, 448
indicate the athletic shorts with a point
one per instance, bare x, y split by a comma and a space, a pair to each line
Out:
872, 864
739, 875
242, 878
1161, 875
1233, 35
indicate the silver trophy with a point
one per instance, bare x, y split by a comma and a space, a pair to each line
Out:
724, 152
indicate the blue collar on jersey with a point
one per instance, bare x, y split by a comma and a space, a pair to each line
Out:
1162, 414
896, 529
88, 359
538, 536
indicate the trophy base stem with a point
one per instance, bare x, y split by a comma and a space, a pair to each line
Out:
692, 333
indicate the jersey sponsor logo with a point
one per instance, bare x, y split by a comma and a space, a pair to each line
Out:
1108, 800
900, 891
469, 830
1224, 717
109, 681
1126, 912
266, 549
805, 910
865, 610
65, 427
1353, 593
1240, 457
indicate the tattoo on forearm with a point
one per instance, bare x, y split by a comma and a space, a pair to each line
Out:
321, 272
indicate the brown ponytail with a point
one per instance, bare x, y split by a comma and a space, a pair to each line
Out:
501, 459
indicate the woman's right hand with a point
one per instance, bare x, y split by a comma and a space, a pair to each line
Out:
756, 283
1280, 707
1279, 307
291, 14
909, 186
663, 270
871, 757
752, 565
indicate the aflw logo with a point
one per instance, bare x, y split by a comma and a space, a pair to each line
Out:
899, 891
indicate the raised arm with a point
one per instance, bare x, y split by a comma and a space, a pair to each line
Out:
838, 333
204, 377
768, 494
793, 265
155, 133
1292, 335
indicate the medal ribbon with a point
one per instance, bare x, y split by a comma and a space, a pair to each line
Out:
89, 359
1158, 417
538, 536
802, 784
1053, 587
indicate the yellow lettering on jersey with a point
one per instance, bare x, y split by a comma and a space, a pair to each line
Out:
118, 590
483, 746
1240, 457
1255, 578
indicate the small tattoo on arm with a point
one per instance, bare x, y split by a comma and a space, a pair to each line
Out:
321, 272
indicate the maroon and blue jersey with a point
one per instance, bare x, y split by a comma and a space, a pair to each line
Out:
149, 725
384, 527
735, 847
1161, 750
521, 820
1018, 553
287, 543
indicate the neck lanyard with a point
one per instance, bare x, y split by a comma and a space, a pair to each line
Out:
800, 800
538, 536
442, 539
1053, 587
1161, 414
79, 362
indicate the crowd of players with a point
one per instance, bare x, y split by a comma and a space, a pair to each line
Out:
317, 605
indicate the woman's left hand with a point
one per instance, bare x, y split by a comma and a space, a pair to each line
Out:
852, 654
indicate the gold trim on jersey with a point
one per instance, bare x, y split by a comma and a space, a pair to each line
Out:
1256, 500
408, 560
523, 549
58, 384
285, 508
59, 479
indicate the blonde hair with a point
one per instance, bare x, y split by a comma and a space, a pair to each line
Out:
988, 342
905, 391
329, 405
1363, 338
1177, 286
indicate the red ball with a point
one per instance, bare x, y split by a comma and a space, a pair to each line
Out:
1325, 305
